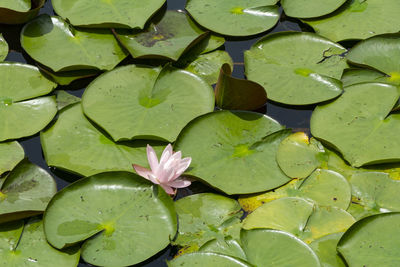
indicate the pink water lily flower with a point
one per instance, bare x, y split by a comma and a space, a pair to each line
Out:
167, 172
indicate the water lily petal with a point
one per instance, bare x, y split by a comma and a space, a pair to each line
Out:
180, 183
164, 175
145, 173
183, 165
168, 189
167, 153
152, 158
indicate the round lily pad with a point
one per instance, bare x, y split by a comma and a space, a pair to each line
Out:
353, 76
359, 19
310, 8
372, 241
19, 11
241, 150
107, 14
46, 39
360, 127
74, 144
277, 249
234, 17
11, 153
26, 245
207, 259
227, 246
3, 48
26, 191
297, 68
150, 103
22, 114
122, 219
325, 248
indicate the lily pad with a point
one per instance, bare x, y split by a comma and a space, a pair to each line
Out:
207, 259
297, 68
244, 143
3, 48
107, 14
122, 219
227, 246
16, 5
26, 245
19, 11
240, 18
169, 37
74, 144
65, 99
22, 114
238, 94
67, 77
325, 248
150, 103
273, 248
372, 241
354, 76
310, 9
26, 191
11, 153
47, 38
204, 217
360, 127
359, 19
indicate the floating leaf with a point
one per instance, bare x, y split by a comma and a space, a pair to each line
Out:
122, 219
310, 8
65, 99
297, 68
16, 5
359, 19
325, 248
354, 76
74, 144
244, 143
227, 246
232, 93
26, 191
360, 127
207, 259
26, 245
67, 77
107, 14
240, 18
3, 48
19, 11
214, 42
47, 38
11, 153
151, 103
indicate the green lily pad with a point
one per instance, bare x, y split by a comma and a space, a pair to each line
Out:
272, 248
244, 143
227, 246
23, 114
238, 94
354, 76
67, 77
310, 9
297, 68
372, 241
214, 42
325, 248
359, 19
204, 217
47, 38
234, 17
26, 191
65, 99
11, 153
16, 5
169, 37
150, 103
26, 245
136, 221
207, 259
107, 14
74, 144
360, 127
3, 48
19, 11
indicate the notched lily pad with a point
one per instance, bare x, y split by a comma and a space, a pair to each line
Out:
3, 48
11, 153
19, 11
310, 8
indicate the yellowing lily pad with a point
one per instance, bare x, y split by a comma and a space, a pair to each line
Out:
310, 8
11, 153
3, 48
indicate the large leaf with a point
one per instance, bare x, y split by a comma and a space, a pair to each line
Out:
359, 126
3, 48
122, 219
234, 17
359, 19
26, 191
46, 39
26, 245
207, 259
372, 241
296, 68
20, 116
150, 103
11, 153
325, 248
241, 149
74, 144
271, 248
310, 8
19, 11
104, 14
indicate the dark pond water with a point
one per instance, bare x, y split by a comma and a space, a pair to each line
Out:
291, 117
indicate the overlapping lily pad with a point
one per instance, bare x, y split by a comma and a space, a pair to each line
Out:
207, 259
25, 245
67, 77
46, 39
19, 11
22, 114
26, 191
17, 5
3, 48
234, 17
151, 103
353, 76
359, 19
227, 246
76, 145
325, 248
360, 127
310, 8
241, 149
65, 99
11, 153
297, 68
107, 14
122, 219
